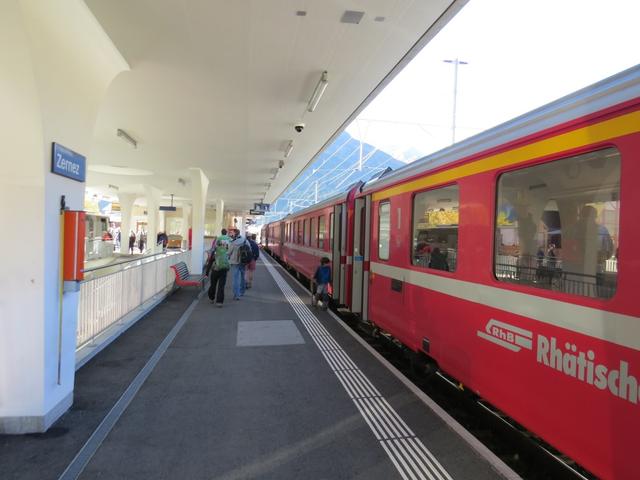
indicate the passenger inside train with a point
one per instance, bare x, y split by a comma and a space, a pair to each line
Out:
435, 228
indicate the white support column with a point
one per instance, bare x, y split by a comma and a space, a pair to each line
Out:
126, 201
43, 103
162, 221
219, 224
153, 196
199, 187
186, 212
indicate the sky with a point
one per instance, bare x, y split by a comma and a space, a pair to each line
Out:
520, 54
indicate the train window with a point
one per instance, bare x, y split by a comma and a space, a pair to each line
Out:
306, 231
313, 237
435, 229
321, 232
557, 225
384, 230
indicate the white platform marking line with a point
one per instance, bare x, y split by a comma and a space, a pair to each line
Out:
329, 359
371, 427
432, 459
313, 330
402, 448
338, 360
392, 420
397, 417
391, 431
365, 381
395, 462
382, 419
346, 360
417, 453
345, 381
367, 388
365, 410
347, 389
399, 456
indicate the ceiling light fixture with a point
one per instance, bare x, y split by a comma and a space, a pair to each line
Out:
127, 138
318, 92
288, 148
274, 173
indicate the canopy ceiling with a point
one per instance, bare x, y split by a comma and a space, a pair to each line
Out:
219, 85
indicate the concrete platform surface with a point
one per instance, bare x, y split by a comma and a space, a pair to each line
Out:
264, 388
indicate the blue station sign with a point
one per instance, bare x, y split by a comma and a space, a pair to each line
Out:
68, 163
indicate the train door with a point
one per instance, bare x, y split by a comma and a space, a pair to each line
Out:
281, 239
360, 256
336, 250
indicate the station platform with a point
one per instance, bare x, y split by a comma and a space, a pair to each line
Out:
265, 387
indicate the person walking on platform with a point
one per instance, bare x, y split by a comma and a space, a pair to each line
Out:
142, 240
132, 241
322, 277
239, 257
251, 267
218, 265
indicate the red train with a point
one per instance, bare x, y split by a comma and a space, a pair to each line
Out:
511, 260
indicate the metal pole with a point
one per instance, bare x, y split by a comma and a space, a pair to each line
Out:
455, 62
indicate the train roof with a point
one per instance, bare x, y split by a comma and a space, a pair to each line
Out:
614, 90
337, 198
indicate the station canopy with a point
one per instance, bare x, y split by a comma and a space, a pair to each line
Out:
221, 85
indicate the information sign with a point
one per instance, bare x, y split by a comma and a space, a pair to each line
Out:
68, 163
262, 206
256, 212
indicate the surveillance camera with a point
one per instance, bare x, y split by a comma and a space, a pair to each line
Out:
299, 127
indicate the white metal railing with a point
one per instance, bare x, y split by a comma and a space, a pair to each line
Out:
116, 290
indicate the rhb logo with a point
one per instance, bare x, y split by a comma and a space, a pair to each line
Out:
507, 336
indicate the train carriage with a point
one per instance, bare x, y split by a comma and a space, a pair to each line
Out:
316, 232
509, 259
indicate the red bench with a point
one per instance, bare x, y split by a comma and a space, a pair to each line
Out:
184, 279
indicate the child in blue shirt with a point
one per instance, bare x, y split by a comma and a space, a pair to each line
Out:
322, 277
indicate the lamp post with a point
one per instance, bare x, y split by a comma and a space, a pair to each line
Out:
455, 62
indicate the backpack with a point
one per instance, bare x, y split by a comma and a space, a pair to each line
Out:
221, 261
245, 255
255, 249
219, 257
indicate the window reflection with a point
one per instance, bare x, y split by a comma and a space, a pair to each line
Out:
384, 230
557, 225
435, 228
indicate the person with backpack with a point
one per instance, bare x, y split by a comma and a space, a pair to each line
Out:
322, 278
218, 265
255, 254
239, 257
